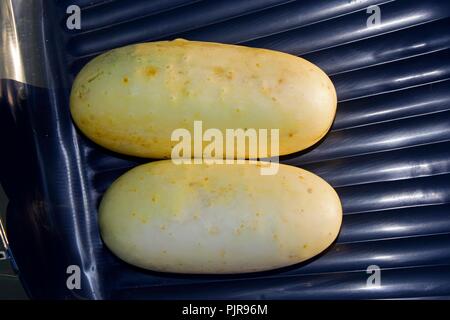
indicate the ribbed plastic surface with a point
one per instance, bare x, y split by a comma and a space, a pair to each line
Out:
387, 155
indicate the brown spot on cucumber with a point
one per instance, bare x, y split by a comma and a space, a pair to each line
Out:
218, 71
151, 71
94, 77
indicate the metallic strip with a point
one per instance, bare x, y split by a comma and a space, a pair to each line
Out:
22, 41
3, 242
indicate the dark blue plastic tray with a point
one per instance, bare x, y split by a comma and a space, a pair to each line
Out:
387, 155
